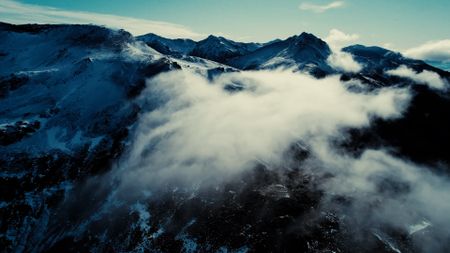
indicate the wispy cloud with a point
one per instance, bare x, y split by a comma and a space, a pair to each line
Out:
16, 12
319, 8
432, 50
429, 78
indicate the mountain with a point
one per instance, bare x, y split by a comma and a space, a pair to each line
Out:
377, 60
221, 50
67, 102
168, 46
302, 52
70, 100
70, 80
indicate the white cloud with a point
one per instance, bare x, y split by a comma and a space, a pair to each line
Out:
389, 46
432, 79
317, 8
338, 59
344, 62
432, 50
202, 132
339, 39
410, 194
16, 12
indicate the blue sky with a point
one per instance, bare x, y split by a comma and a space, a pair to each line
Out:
399, 24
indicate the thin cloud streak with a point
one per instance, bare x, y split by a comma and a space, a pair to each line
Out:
16, 12
318, 8
432, 79
431, 50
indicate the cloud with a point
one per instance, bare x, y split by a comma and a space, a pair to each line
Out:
411, 196
16, 12
317, 8
338, 59
432, 79
202, 133
389, 46
339, 39
432, 51
343, 61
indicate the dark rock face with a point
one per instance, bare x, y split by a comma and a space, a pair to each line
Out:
266, 210
34, 186
148, 71
10, 133
420, 135
11, 83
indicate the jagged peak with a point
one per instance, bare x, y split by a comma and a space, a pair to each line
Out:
307, 38
215, 38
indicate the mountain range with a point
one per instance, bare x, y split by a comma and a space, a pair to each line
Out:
70, 100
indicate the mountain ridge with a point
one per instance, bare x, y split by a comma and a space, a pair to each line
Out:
296, 52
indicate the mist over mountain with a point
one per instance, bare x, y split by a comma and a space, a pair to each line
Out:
116, 143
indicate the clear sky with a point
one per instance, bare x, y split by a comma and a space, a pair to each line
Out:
400, 24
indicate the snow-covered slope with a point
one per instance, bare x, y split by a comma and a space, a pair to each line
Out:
74, 81
66, 104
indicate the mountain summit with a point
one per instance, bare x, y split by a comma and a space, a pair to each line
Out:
220, 49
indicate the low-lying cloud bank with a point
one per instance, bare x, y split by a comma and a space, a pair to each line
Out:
432, 79
203, 132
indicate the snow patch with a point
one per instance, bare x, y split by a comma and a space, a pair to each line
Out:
419, 227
